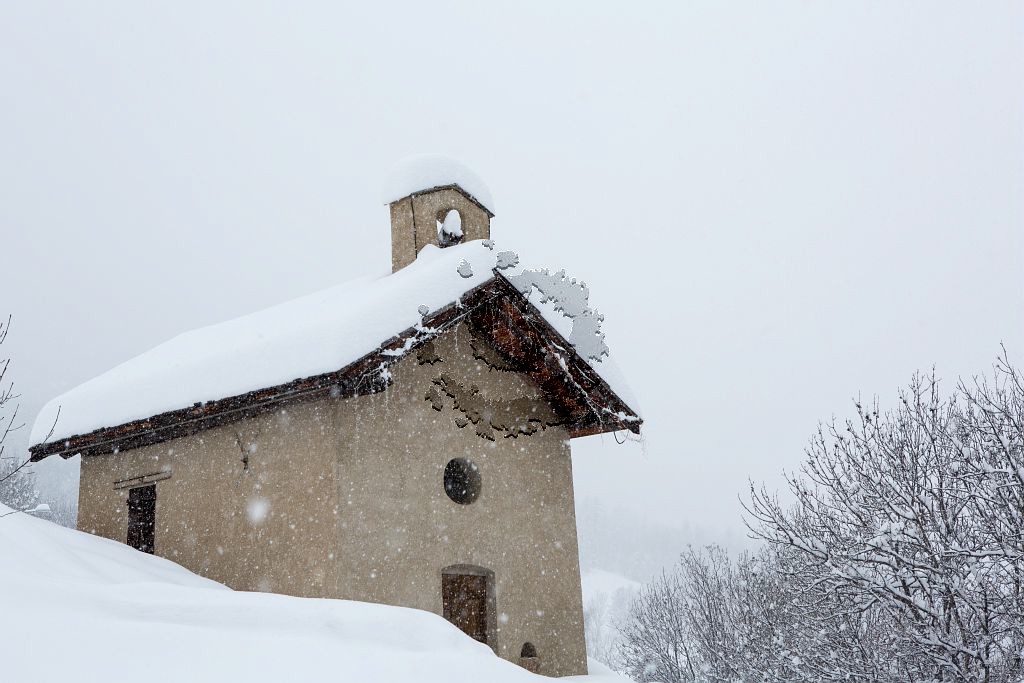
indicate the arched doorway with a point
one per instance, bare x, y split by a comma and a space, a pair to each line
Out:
467, 599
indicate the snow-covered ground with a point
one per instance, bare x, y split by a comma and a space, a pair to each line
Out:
75, 607
598, 582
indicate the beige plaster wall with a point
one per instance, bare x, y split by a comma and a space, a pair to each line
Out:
397, 537
414, 223
270, 527
357, 509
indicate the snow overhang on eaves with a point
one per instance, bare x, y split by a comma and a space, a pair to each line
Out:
496, 308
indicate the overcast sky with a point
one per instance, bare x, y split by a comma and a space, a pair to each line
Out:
777, 206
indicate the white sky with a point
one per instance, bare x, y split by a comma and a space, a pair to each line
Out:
776, 205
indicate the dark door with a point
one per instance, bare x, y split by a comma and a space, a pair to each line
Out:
142, 517
465, 603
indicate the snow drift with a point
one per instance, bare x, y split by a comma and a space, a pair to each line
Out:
83, 608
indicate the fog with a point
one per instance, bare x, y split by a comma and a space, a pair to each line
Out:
777, 206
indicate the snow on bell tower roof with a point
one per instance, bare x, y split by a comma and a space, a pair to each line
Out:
434, 200
427, 172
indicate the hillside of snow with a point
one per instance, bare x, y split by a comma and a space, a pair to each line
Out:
606, 600
83, 608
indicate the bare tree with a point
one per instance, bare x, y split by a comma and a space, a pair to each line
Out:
713, 618
913, 517
655, 640
64, 511
596, 629
17, 485
899, 558
755, 617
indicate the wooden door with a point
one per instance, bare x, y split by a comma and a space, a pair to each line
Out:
465, 603
142, 518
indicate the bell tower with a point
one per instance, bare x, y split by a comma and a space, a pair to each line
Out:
434, 200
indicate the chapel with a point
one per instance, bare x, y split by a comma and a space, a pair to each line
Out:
404, 439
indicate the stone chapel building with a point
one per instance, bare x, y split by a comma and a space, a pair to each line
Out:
404, 440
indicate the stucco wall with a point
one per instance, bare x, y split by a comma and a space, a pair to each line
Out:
271, 527
357, 509
522, 527
409, 236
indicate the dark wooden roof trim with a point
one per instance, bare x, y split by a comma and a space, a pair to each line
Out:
366, 376
518, 330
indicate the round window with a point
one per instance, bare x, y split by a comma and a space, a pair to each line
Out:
462, 481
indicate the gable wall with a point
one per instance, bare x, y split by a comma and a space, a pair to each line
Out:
400, 531
357, 507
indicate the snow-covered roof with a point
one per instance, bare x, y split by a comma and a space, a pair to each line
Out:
427, 171
315, 334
